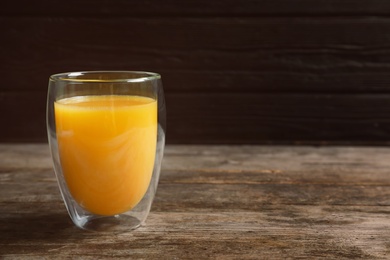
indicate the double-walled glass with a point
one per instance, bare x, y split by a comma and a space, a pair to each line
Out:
106, 132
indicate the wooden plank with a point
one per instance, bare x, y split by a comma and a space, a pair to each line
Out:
272, 164
311, 54
180, 33
182, 224
278, 81
261, 118
342, 233
193, 81
199, 8
235, 118
238, 191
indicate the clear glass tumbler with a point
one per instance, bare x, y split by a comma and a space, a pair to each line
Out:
106, 132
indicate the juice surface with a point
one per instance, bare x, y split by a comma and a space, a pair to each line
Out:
107, 148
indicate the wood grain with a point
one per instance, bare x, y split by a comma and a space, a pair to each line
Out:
204, 54
198, 8
214, 202
227, 67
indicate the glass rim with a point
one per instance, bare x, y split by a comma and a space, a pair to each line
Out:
140, 76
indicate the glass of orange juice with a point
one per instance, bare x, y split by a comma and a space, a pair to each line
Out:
106, 131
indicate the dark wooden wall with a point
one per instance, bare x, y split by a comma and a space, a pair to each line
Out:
267, 71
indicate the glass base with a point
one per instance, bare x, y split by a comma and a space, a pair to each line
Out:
116, 224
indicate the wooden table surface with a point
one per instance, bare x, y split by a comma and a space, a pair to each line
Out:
218, 202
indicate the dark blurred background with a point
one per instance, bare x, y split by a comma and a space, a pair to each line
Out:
234, 72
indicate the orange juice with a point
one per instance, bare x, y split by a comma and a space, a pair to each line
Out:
107, 148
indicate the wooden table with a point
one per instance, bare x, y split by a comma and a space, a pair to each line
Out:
219, 202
